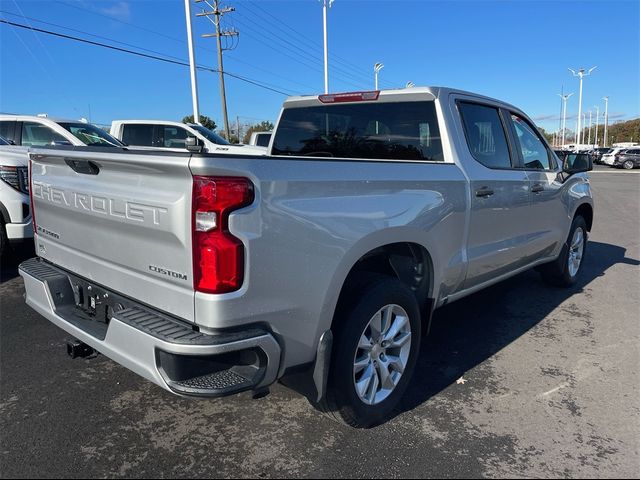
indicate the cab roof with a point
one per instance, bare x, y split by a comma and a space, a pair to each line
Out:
398, 94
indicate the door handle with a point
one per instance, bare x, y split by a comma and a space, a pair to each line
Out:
86, 167
537, 188
484, 192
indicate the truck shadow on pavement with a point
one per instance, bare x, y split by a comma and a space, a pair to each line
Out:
468, 332
14, 257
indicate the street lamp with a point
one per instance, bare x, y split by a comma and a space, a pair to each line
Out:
581, 74
376, 68
326, 4
606, 117
192, 63
564, 114
597, 122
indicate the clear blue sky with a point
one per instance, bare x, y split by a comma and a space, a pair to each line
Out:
517, 51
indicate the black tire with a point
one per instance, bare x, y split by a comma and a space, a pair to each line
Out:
3, 239
558, 273
628, 165
367, 296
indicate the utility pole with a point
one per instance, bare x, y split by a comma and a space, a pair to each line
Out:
192, 63
581, 74
217, 13
238, 129
606, 118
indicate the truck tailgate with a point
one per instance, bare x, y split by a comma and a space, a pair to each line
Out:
121, 220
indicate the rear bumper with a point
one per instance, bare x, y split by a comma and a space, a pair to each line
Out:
164, 350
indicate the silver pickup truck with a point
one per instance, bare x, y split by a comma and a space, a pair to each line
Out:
319, 265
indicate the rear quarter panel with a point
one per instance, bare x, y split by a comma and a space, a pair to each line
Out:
312, 220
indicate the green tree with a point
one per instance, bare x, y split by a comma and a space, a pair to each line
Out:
264, 126
204, 121
548, 136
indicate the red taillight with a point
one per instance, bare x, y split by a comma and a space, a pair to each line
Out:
218, 256
33, 205
349, 97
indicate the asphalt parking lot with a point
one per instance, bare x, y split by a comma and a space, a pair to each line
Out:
552, 380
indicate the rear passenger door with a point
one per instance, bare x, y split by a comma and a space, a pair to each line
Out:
548, 218
138, 135
497, 238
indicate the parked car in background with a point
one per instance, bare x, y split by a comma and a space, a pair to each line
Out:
609, 157
561, 154
597, 154
319, 267
15, 214
40, 131
260, 139
627, 159
172, 136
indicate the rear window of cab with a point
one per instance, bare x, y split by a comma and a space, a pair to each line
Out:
371, 130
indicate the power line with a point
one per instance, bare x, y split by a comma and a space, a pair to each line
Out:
288, 52
302, 53
199, 47
140, 54
87, 33
352, 69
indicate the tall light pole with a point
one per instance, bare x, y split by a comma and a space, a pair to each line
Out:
581, 74
564, 114
606, 118
376, 68
326, 4
557, 135
597, 122
192, 62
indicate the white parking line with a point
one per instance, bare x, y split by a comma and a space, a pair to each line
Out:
615, 171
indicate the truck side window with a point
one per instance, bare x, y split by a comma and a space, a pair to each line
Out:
485, 135
37, 135
534, 154
172, 137
7, 128
138, 135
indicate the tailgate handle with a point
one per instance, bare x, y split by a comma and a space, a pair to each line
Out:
85, 167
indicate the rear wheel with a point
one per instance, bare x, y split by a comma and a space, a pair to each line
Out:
377, 341
564, 271
628, 165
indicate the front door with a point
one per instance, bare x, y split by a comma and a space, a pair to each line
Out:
497, 238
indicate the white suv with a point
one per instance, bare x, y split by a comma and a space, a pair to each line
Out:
15, 214
610, 157
38, 131
172, 136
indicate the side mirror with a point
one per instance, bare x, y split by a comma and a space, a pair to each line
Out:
194, 145
577, 163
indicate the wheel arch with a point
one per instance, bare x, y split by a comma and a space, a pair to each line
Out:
585, 210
